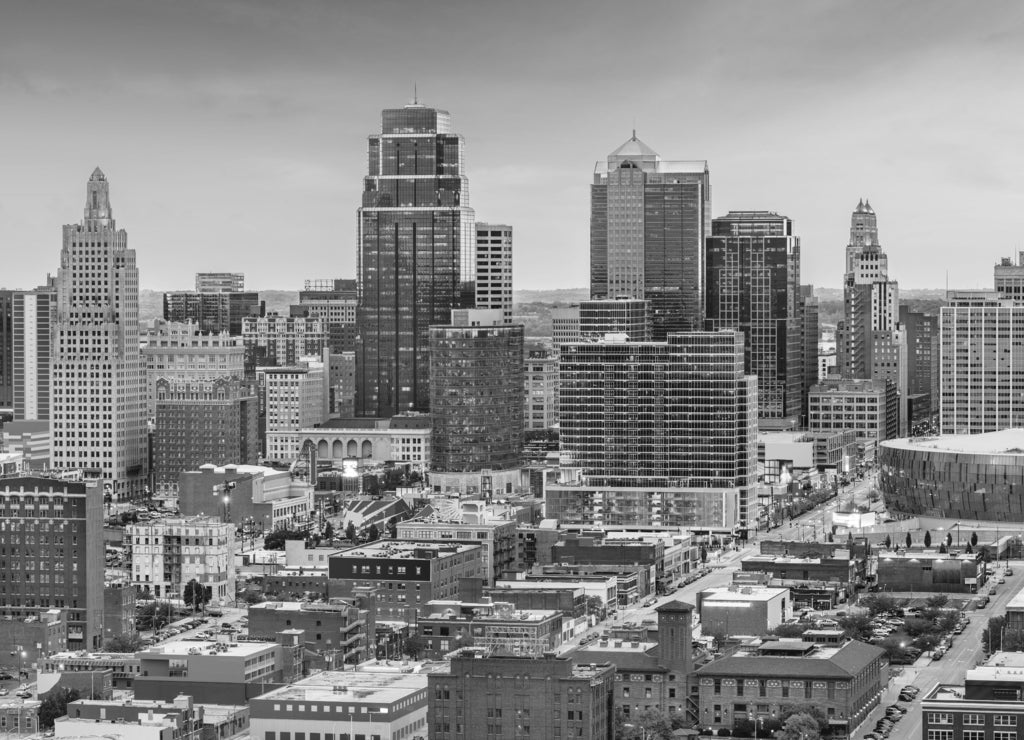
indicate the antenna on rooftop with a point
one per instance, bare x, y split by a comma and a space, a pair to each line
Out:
415, 94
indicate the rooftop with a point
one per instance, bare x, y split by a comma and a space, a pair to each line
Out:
741, 594
1004, 442
421, 421
375, 684
926, 555
206, 647
406, 549
1000, 667
803, 659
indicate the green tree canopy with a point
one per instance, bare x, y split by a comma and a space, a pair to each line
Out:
195, 595
56, 705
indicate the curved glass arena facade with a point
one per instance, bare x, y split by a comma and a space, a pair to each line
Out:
979, 476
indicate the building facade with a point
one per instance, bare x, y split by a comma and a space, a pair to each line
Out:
220, 282
870, 408
494, 268
476, 397
649, 219
165, 555
540, 380
400, 439
281, 341
499, 540
922, 364
334, 302
338, 632
753, 286
987, 706
51, 553
628, 316
656, 432
213, 312
294, 397
98, 421
6, 349
416, 255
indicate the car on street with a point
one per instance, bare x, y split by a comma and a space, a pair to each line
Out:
1008, 572
4, 692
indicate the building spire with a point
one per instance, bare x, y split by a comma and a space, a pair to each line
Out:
415, 94
97, 197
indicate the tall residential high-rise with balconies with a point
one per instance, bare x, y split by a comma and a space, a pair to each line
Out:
417, 259
870, 342
753, 285
98, 417
648, 221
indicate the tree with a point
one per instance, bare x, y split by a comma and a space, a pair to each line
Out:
992, 635
276, 539
799, 726
143, 594
791, 629
392, 527
195, 595
328, 531
974, 539
910, 540
596, 608
969, 550
943, 549
938, 601
252, 597
718, 638
878, 603
856, 626
131, 643
414, 646
888, 542
373, 534
350, 532
56, 705
927, 539
949, 540
703, 554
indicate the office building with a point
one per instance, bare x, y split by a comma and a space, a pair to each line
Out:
281, 341
30, 440
753, 286
870, 342
220, 282
164, 555
656, 433
182, 354
337, 632
222, 672
98, 423
333, 302
499, 540
981, 359
259, 499
757, 682
416, 255
988, 704
540, 380
488, 695
743, 609
955, 476
922, 365
648, 221
930, 571
476, 398
6, 349
294, 397
565, 325
378, 701
406, 573
445, 626
58, 563
494, 269
870, 408
627, 316
214, 312
118, 609
341, 385
810, 330
203, 421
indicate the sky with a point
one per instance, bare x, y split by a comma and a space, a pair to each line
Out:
233, 133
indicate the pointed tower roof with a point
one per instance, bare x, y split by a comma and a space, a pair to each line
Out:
867, 206
634, 148
97, 175
860, 206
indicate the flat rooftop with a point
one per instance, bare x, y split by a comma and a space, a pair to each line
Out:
405, 549
741, 594
1001, 666
369, 684
1003, 442
206, 647
517, 615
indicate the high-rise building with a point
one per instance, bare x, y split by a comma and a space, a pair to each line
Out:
6, 349
810, 332
540, 408
869, 408
334, 302
220, 282
476, 397
492, 695
981, 362
494, 268
922, 364
163, 556
96, 369
33, 318
180, 353
661, 433
648, 222
753, 285
212, 420
280, 341
565, 325
628, 316
213, 312
58, 562
416, 255
294, 397
869, 340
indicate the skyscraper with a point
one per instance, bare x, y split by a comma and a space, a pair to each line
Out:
753, 285
416, 255
33, 316
6, 349
870, 343
494, 268
97, 374
648, 222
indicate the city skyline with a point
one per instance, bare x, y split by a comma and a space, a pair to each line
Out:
260, 116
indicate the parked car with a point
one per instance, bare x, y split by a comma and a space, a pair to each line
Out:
4, 692
5, 676
1008, 571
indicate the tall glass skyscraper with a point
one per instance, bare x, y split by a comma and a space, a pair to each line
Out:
98, 418
416, 255
648, 222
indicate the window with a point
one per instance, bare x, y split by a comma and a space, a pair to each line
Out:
1005, 720
940, 735
974, 735
973, 719
940, 718
1004, 736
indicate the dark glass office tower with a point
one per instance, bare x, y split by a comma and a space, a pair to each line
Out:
416, 255
648, 222
753, 285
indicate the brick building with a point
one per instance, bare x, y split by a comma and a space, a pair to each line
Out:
338, 632
988, 706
